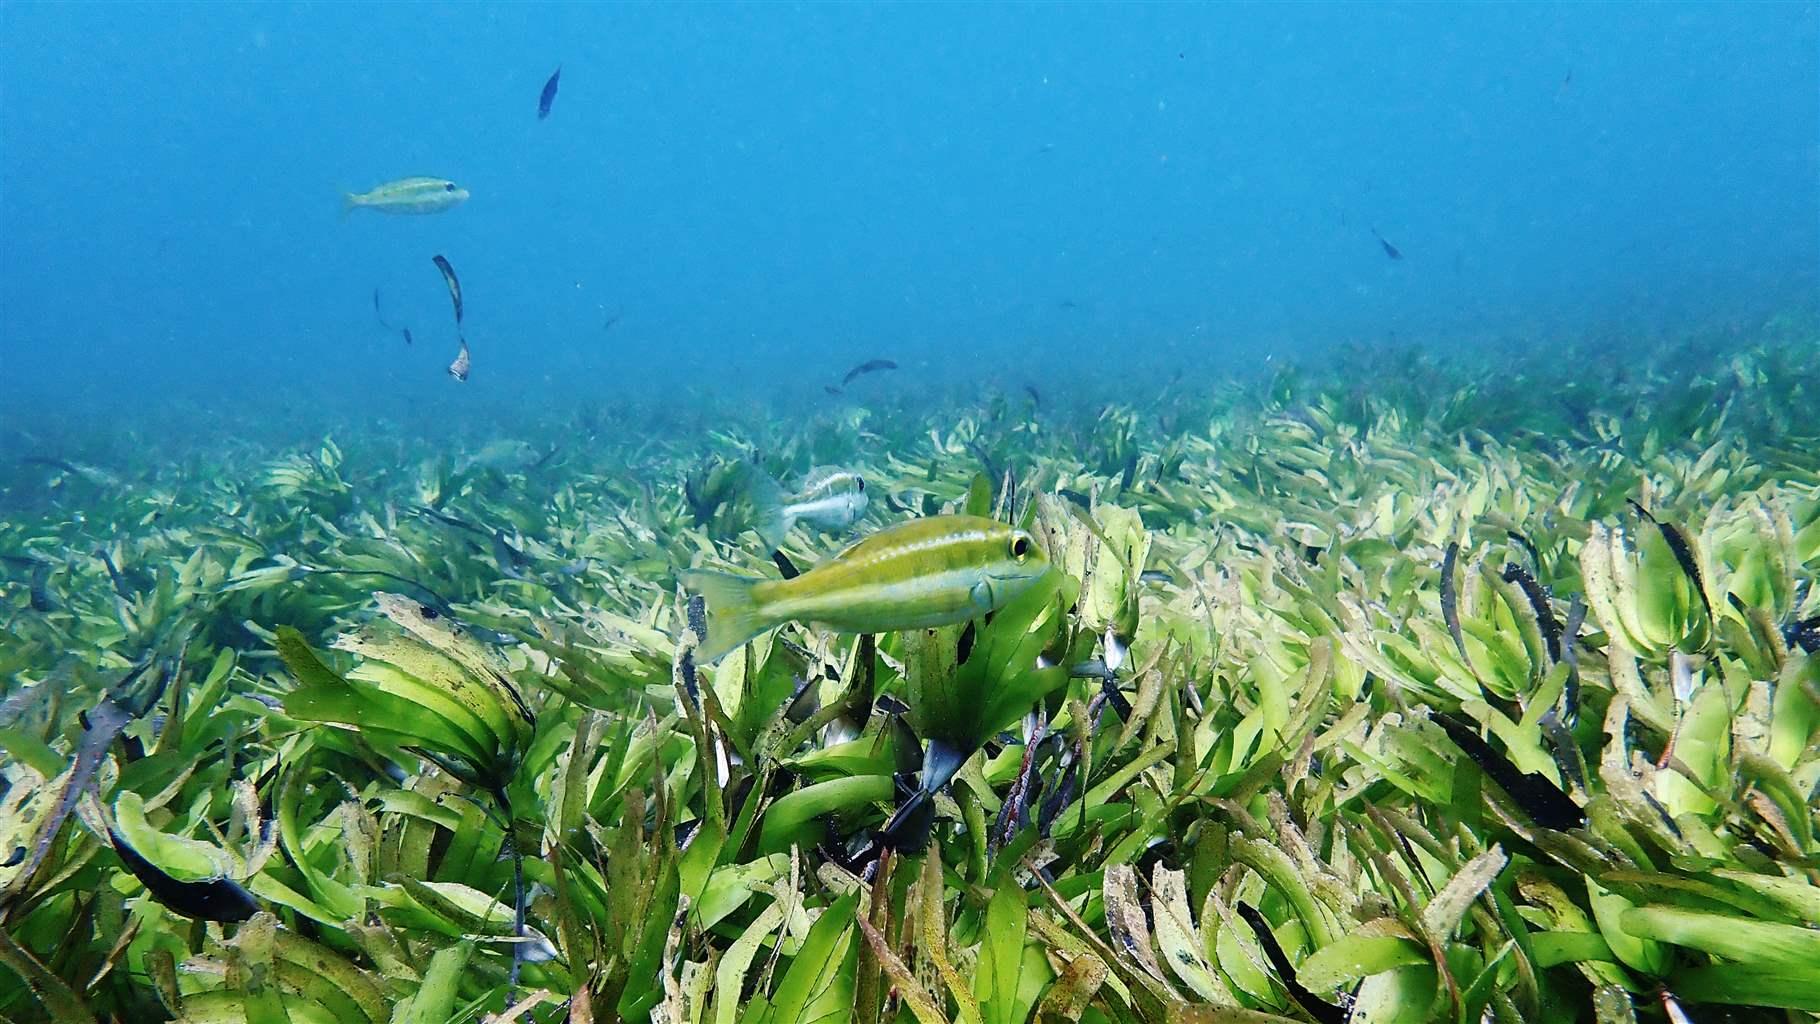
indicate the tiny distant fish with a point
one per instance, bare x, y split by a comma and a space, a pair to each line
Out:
42, 601
406, 331
611, 321
459, 368
121, 586
407, 195
454, 283
549, 95
93, 474
831, 389
869, 366
1035, 399
1389, 250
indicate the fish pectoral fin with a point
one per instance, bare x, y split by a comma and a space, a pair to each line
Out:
981, 595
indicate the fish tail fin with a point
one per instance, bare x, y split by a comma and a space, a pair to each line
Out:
770, 512
734, 613
348, 202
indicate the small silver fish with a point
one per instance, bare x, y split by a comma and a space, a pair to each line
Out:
407, 195
828, 500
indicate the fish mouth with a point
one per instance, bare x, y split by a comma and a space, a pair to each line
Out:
1019, 575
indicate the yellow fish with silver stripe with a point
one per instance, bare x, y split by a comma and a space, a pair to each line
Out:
927, 572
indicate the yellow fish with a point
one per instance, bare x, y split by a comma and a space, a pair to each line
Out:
407, 195
926, 572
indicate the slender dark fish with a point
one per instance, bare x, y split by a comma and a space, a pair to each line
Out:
214, 899
869, 366
1535, 556
1562, 748
1534, 792
1570, 639
406, 331
831, 389
42, 601
1389, 250
1313, 1005
443, 517
113, 573
1035, 399
1538, 602
1450, 600
448, 275
1684, 555
549, 95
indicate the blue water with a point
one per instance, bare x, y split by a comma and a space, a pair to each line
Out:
1079, 197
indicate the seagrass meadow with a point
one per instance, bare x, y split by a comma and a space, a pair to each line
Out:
1384, 687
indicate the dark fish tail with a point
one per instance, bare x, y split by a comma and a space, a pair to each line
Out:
548, 96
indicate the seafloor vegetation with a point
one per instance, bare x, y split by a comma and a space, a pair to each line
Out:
1386, 688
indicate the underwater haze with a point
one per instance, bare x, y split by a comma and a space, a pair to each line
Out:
1078, 197
921, 513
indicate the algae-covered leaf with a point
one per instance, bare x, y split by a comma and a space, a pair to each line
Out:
186, 860
1002, 954
821, 972
434, 1001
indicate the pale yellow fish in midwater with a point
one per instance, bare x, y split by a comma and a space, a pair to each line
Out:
408, 195
926, 572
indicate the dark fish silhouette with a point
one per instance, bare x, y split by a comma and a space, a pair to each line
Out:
1450, 601
215, 899
1684, 555
121, 586
1389, 250
1534, 792
785, 567
1035, 399
454, 283
549, 95
1322, 1011
1538, 602
42, 601
869, 366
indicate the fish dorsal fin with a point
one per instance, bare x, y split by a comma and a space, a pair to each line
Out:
825, 480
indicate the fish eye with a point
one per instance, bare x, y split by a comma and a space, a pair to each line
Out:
860, 483
448, 186
1020, 547
428, 612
